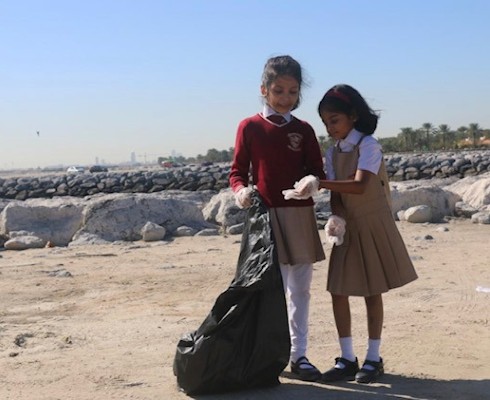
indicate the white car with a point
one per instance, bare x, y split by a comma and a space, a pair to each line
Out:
75, 170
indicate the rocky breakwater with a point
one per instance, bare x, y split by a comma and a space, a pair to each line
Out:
190, 178
106, 218
400, 167
46, 211
413, 166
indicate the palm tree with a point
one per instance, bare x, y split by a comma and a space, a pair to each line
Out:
407, 137
461, 133
428, 128
474, 132
444, 131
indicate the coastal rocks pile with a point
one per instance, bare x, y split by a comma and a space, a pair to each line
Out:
403, 167
102, 219
163, 214
85, 184
400, 167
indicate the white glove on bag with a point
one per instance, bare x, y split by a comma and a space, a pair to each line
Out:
243, 197
304, 189
335, 230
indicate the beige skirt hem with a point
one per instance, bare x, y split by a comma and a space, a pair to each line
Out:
296, 235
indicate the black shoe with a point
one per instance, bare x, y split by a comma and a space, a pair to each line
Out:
370, 375
341, 374
305, 370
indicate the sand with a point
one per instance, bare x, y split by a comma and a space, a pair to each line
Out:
102, 322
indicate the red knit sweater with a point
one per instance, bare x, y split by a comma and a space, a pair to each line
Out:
279, 156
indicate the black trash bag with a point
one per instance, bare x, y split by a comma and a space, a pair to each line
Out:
244, 341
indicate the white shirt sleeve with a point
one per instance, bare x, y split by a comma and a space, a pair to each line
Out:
370, 155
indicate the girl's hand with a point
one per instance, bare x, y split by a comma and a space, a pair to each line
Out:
307, 186
243, 197
335, 230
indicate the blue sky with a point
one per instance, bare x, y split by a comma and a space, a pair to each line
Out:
104, 78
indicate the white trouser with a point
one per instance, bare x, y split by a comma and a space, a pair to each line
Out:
297, 281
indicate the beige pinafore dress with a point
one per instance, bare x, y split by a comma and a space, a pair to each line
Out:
373, 258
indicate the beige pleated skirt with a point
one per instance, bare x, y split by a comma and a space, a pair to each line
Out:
372, 259
296, 235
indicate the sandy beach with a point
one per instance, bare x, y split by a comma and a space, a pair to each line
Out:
103, 322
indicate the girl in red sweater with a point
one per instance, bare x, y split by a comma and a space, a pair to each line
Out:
279, 150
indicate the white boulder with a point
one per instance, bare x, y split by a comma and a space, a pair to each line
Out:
24, 243
413, 193
152, 232
473, 190
418, 214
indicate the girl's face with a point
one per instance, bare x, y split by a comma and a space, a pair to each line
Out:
283, 94
338, 124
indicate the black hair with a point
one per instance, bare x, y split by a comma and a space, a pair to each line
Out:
280, 66
347, 100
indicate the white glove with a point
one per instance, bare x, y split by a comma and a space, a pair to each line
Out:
335, 230
293, 194
304, 189
243, 197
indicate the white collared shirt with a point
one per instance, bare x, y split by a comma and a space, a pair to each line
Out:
370, 155
268, 111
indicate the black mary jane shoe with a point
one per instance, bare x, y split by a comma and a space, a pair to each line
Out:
370, 375
341, 374
305, 370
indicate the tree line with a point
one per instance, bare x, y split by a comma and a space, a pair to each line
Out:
435, 138
425, 138
429, 138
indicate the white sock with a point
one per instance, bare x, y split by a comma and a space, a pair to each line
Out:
372, 352
347, 350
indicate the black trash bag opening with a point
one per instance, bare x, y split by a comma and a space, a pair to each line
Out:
244, 342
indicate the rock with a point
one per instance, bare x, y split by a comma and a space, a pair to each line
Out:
425, 237
208, 232
418, 214
24, 243
152, 232
482, 217
53, 220
116, 217
412, 193
121, 216
222, 209
464, 210
401, 215
185, 231
474, 190
60, 273
82, 239
236, 229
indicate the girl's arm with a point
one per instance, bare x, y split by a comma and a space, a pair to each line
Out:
356, 185
240, 167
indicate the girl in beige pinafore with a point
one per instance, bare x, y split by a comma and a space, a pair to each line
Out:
372, 258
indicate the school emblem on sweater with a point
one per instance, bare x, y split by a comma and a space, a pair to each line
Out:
295, 140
